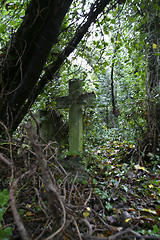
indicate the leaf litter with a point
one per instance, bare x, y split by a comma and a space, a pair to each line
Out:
117, 196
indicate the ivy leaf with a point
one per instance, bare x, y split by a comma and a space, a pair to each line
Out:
113, 21
131, 19
112, 40
154, 46
156, 229
4, 197
2, 28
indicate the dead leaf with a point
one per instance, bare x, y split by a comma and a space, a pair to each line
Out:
158, 211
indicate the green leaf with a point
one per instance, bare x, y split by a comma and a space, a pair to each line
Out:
105, 29
5, 233
142, 42
156, 6
4, 197
108, 206
156, 229
113, 21
131, 19
2, 28
1, 213
112, 40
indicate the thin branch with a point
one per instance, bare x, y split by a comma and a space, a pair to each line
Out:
89, 197
77, 228
69, 198
63, 221
37, 123
12, 193
9, 137
51, 191
45, 226
128, 230
5, 160
90, 230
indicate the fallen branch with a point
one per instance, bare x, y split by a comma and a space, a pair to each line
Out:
77, 228
88, 237
54, 199
12, 193
90, 230
5, 160
121, 233
72, 186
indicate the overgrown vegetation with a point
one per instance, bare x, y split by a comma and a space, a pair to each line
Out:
116, 196
112, 191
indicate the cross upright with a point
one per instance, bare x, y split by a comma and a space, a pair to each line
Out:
75, 101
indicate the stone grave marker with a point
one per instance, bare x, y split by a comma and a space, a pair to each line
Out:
75, 102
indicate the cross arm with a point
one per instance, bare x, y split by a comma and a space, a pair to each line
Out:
87, 99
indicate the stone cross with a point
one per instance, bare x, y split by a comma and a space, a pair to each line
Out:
75, 101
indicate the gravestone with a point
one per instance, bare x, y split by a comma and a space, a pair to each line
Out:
75, 102
52, 127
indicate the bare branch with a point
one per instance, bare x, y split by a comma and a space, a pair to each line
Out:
12, 193
5, 160
51, 191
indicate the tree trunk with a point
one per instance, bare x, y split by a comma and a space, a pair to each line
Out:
21, 80
28, 53
153, 84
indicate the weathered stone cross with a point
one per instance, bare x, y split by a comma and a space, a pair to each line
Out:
75, 101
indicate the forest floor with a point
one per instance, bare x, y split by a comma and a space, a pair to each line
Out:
116, 197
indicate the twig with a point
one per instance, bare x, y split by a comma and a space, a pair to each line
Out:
43, 230
142, 237
105, 224
12, 190
119, 234
37, 124
90, 230
69, 198
9, 137
5, 160
63, 221
77, 228
56, 161
88, 237
61, 166
16, 215
51, 191
90, 194
64, 183
40, 202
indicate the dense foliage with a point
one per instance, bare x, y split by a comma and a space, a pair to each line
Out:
113, 48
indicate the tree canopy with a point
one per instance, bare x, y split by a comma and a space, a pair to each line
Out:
24, 72
39, 37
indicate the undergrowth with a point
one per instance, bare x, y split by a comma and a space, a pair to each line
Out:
116, 197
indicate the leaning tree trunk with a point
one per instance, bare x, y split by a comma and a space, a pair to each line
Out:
28, 53
21, 80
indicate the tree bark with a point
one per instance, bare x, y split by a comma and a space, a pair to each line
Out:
153, 86
21, 80
28, 53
